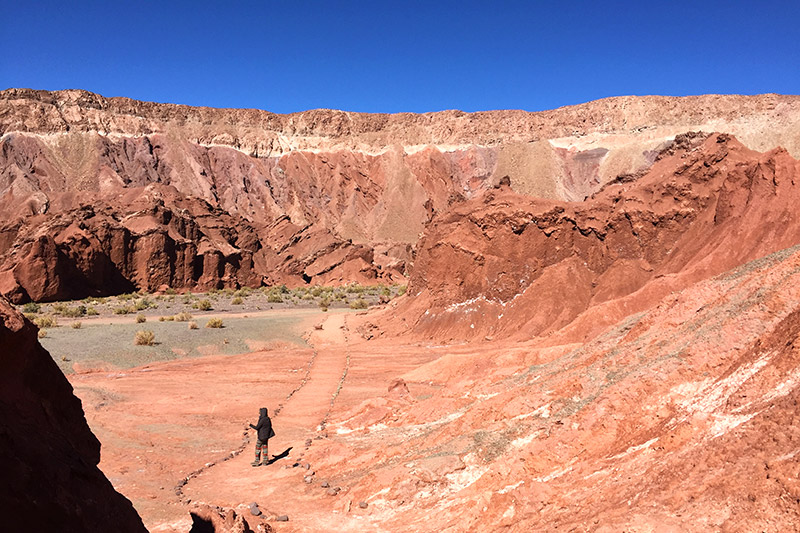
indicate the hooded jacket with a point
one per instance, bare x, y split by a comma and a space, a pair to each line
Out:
264, 425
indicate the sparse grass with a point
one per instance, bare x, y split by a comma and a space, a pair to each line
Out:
214, 323
144, 337
141, 319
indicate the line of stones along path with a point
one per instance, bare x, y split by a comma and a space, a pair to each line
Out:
299, 418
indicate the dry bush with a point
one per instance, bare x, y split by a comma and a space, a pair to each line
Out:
141, 319
46, 321
204, 305
42, 333
193, 325
183, 317
144, 338
214, 323
237, 301
359, 304
76, 325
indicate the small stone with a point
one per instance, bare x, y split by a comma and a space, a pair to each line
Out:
308, 442
332, 492
363, 505
307, 466
254, 510
325, 485
308, 479
282, 518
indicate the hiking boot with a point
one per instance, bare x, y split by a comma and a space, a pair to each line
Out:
255, 463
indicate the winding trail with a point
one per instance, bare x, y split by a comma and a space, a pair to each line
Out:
301, 417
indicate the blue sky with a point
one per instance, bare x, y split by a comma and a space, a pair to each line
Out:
377, 56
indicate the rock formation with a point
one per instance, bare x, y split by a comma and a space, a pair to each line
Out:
363, 185
507, 265
48, 454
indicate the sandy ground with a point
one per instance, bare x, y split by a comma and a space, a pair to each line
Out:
167, 421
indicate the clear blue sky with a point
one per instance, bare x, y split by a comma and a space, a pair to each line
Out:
375, 56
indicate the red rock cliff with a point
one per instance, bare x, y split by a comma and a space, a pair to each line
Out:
48, 454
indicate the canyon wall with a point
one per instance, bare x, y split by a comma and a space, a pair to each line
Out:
49, 455
364, 185
504, 264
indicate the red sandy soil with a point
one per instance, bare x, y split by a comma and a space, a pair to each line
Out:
681, 418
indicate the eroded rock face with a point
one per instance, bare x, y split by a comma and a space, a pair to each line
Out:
373, 180
155, 237
49, 455
508, 265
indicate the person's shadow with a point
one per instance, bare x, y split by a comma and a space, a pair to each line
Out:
281, 455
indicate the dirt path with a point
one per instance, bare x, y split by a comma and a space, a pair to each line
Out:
300, 418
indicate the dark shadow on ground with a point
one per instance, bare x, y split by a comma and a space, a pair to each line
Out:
201, 525
281, 455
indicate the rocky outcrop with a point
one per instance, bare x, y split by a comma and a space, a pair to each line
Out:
373, 181
157, 239
48, 454
504, 264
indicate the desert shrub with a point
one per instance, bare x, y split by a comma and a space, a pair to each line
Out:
214, 323
46, 321
193, 325
42, 333
204, 305
124, 310
74, 312
142, 304
274, 298
182, 317
76, 325
307, 296
359, 304
168, 318
237, 301
144, 337
126, 297
401, 290
91, 311
283, 289
141, 319
316, 292
31, 307
244, 292
386, 291
171, 291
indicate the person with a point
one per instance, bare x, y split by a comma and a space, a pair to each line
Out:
265, 432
